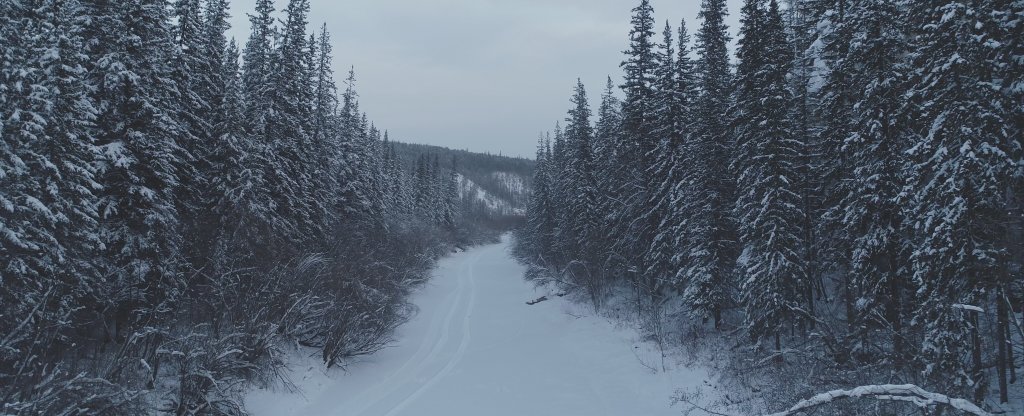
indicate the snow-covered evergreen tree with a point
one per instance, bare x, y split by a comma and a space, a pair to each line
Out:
638, 139
768, 203
872, 214
541, 220
242, 203
194, 78
835, 102
136, 101
710, 252
672, 116
607, 139
961, 157
581, 216
677, 93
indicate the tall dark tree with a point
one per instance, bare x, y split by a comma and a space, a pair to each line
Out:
711, 252
675, 169
137, 101
194, 77
768, 204
243, 204
835, 102
542, 221
607, 139
48, 218
639, 76
962, 154
582, 214
872, 214
672, 115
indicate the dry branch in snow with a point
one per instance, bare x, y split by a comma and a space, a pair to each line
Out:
892, 392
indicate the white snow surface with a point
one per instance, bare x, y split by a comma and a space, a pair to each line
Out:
476, 348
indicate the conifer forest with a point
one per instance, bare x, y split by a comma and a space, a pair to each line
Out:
819, 211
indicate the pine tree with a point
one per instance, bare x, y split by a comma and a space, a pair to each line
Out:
835, 102
194, 78
285, 128
637, 133
639, 72
961, 157
558, 181
261, 100
803, 17
674, 168
872, 216
581, 214
542, 220
664, 173
768, 204
607, 139
323, 131
137, 100
353, 201
256, 66
243, 205
710, 253
48, 218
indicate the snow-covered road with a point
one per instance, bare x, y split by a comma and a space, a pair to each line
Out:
476, 348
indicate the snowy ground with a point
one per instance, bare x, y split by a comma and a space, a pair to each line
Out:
476, 348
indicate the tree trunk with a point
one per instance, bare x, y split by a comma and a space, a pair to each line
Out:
1002, 321
810, 305
778, 349
893, 309
851, 314
977, 373
1010, 361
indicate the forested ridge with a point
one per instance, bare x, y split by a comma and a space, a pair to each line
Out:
837, 205
177, 207
505, 179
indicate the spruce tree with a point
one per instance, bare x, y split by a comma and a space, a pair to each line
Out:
256, 66
194, 77
666, 247
136, 101
872, 216
285, 128
961, 157
607, 139
242, 203
541, 221
353, 201
581, 214
711, 253
768, 204
665, 172
639, 73
835, 103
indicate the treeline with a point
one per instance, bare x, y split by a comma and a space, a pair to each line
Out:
175, 207
846, 198
492, 173
505, 181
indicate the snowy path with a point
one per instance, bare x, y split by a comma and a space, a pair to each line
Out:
476, 348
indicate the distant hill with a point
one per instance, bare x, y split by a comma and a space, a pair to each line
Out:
502, 184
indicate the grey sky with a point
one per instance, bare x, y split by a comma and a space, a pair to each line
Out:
483, 75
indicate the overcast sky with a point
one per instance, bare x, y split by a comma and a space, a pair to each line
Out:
483, 75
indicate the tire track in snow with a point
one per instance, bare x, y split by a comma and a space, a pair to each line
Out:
463, 343
433, 341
